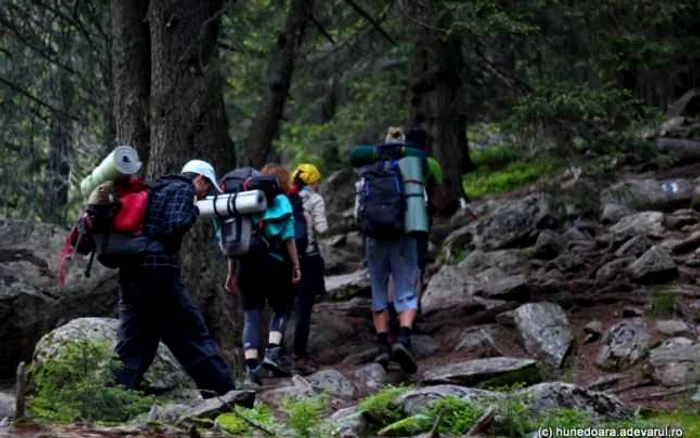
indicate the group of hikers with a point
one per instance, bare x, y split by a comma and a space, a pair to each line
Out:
155, 306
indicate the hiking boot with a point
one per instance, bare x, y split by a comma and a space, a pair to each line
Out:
252, 378
272, 362
402, 354
384, 355
304, 366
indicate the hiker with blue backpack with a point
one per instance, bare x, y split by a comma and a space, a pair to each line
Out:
263, 264
305, 185
390, 251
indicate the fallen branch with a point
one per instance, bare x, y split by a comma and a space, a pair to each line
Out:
371, 20
631, 386
662, 394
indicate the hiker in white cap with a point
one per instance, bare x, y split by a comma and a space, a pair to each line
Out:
154, 304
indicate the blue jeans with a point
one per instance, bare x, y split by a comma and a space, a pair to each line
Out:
400, 259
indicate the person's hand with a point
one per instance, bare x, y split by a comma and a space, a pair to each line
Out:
296, 275
231, 284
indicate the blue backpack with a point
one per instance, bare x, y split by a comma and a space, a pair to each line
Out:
382, 203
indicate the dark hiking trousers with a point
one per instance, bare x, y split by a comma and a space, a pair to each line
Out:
312, 284
154, 306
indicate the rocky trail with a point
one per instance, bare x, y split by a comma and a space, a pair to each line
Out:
597, 313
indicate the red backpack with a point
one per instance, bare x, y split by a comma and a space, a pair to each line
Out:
108, 228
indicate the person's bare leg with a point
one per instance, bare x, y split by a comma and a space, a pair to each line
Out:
381, 321
407, 317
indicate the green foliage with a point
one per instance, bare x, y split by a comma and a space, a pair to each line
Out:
565, 418
455, 416
240, 422
305, 416
663, 302
484, 182
76, 384
381, 406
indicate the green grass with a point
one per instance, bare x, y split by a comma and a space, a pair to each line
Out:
381, 406
663, 303
487, 181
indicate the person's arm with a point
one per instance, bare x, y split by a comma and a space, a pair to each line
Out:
318, 214
180, 211
291, 245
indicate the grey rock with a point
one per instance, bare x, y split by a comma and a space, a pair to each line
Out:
451, 291
165, 373
371, 376
482, 372
605, 382
7, 405
648, 223
416, 400
338, 190
593, 331
478, 339
214, 406
512, 262
612, 213
275, 397
676, 363
554, 395
612, 270
515, 223
625, 344
690, 243
632, 312
494, 284
346, 286
423, 346
654, 266
545, 331
649, 194
457, 244
349, 422
681, 218
506, 319
672, 327
693, 310
549, 245
31, 302
636, 246
573, 234
332, 382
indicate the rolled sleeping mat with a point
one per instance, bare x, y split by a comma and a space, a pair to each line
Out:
367, 154
416, 216
230, 204
363, 155
122, 161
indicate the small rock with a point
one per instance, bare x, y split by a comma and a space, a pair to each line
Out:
332, 382
556, 395
481, 372
506, 319
349, 422
549, 245
494, 283
7, 405
423, 346
612, 213
4, 422
275, 397
573, 234
593, 331
649, 223
672, 327
624, 345
417, 400
688, 244
632, 312
212, 407
545, 331
654, 266
636, 246
480, 340
693, 310
372, 376
615, 269
346, 286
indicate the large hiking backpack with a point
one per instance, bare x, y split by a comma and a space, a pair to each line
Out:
382, 204
242, 235
111, 227
301, 228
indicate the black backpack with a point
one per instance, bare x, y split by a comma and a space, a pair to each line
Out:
241, 235
382, 203
301, 230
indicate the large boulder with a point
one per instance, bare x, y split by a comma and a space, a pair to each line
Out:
451, 291
31, 302
545, 331
654, 266
648, 223
484, 372
345, 286
649, 194
676, 362
625, 344
515, 223
338, 191
332, 382
164, 374
556, 395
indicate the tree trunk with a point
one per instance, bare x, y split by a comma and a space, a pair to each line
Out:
188, 121
61, 141
266, 124
438, 99
131, 56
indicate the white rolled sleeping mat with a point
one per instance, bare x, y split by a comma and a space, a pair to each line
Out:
227, 205
123, 161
